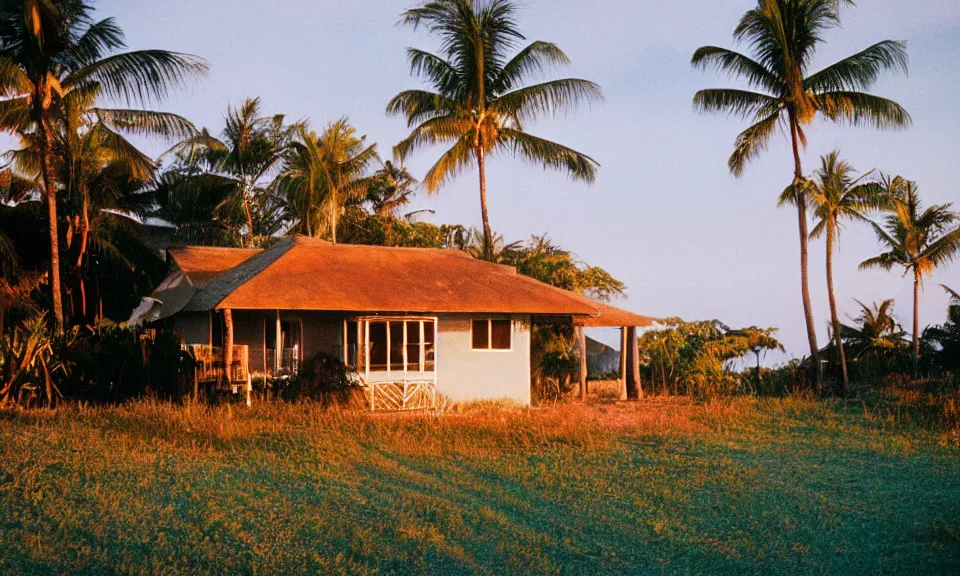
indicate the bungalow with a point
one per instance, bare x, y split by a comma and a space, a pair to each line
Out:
410, 322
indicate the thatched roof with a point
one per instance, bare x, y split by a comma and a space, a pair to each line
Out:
300, 273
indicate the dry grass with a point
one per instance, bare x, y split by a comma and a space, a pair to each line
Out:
738, 486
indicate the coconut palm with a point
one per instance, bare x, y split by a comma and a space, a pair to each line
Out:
784, 36
876, 331
235, 172
392, 190
51, 48
917, 240
322, 174
98, 169
478, 103
836, 194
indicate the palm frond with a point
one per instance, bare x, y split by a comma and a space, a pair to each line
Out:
532, 61
453, 162
419, 105
740, 103
13, 81
861, 70
147, 123
440, 73
99, 39
751, 142
858, 109
738, 66
434, 131
555, 97
549, 154
141, 76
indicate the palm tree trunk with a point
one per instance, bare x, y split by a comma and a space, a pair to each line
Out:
333, 218
834, 319
81, 258
804, 256
487, 231
249, 214
916, 321
50, 194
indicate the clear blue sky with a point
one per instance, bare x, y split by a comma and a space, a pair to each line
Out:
664, 216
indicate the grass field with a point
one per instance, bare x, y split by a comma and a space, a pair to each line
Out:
774, 486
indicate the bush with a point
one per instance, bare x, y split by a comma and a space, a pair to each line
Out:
169, 368
114, 364
553, 378
108, 366
324, 378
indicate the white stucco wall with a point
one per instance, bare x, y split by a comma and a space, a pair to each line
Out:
464, 374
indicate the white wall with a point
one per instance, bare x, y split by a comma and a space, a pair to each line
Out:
464, 374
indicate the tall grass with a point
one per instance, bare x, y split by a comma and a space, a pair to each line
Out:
738, 485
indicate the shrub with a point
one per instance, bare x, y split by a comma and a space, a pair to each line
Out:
169, 368
32, 364
324, 378
109, 365
553, 378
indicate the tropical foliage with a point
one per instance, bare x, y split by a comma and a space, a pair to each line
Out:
55, 50
835, 193
228, 178
479, 102
917, 240
697, 358
784, 93
322, 174
944, 340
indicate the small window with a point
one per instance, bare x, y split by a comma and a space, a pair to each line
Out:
481, 334
378, 346
429, 346
500, 334
491, 334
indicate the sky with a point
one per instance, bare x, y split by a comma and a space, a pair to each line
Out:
664, 215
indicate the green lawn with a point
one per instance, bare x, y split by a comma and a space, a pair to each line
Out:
788, 487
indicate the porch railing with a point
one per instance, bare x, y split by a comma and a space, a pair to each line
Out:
263, 363
211, 363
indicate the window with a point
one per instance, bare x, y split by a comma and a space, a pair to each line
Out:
395, 345
351, 350
491, 334
287, 358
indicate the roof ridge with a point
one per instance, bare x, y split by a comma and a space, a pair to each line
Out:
229, 281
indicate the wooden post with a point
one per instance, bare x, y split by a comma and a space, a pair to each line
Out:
633, 364
228, 345
623, 363
582, 340
278, 348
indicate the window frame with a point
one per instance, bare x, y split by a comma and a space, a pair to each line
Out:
490, 321
363, 343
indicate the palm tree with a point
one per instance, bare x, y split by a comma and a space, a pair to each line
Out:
98, 168
917, 240
876, 331
392, 190
48, 49
835, 194
478, 103
784, 35
322, 174
236, 169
